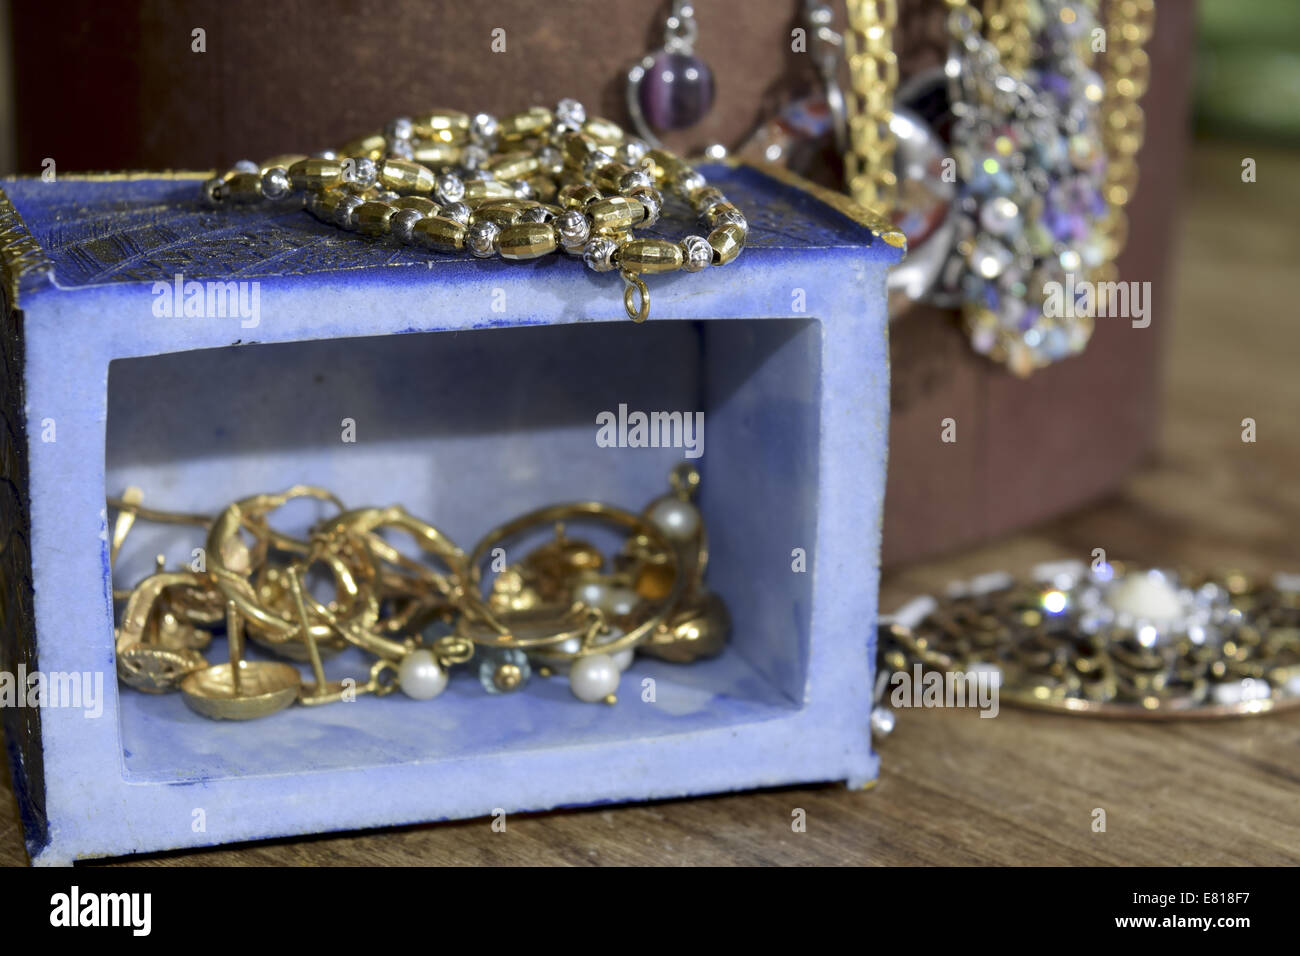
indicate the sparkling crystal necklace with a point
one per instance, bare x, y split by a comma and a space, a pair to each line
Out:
518, 187
1029, 197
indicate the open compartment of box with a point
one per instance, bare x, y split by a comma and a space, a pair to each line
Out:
473, 389
468, 430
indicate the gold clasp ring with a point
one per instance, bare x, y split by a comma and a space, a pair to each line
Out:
636, 289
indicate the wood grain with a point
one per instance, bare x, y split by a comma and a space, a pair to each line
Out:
1021, 788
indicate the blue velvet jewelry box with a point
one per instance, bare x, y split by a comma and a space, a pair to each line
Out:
472, 388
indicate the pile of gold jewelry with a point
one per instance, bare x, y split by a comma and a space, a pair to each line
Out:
562, 608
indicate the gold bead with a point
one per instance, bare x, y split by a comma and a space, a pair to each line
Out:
604, 132
543, 187
327, 202
576, 147
243, 187
439, 232
447, 126
372, 218
283, 161
518, 165
615, 214
609, 175
316, 173
503, 212
422, 204
436, 153
578, 195
404, 176
477, 190
664, 165
527, 240
727, 241
713, 216
649, 255
508, 677
525, 123
372, 146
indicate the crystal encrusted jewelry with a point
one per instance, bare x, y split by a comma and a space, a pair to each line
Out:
562, 608
518, 187
1042, 163
1109, 640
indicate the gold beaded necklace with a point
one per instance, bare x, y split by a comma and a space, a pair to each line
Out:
519, 187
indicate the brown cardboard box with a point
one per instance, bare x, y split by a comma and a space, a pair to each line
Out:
118, 86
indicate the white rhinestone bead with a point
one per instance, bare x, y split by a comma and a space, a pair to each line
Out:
275, 183
472, 157
360, 170
631, 180
481, 239
687, 182
631, 152
450, 189
697, 254
483, 129
400, 128
457, 211
344, 210
653, 201
599, 254
402, 224
731, 217
572, 228
570, 113
550, 159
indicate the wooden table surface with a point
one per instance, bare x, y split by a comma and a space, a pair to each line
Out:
1021, 789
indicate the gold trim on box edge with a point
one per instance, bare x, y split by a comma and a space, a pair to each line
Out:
880, 227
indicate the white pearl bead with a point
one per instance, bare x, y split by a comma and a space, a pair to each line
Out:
619, 602
421, 676
676, 518
593, 678
592, 593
